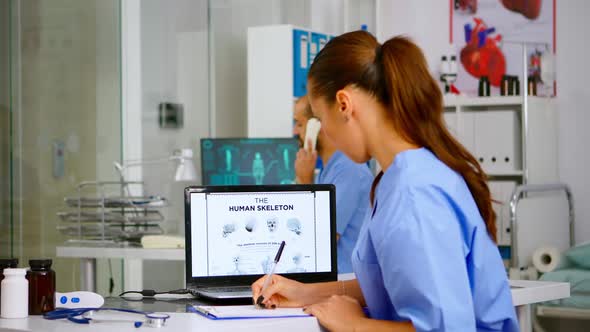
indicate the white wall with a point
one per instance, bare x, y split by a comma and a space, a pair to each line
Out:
427, 23
174, 68
573, 93
229, 22
327, 16
339, 16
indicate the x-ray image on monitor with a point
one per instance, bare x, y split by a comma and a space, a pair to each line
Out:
235, 161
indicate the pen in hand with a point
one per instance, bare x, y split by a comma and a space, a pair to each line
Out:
268, 279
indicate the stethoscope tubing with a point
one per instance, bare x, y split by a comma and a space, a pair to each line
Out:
76, 315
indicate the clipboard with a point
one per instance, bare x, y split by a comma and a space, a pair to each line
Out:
244, 312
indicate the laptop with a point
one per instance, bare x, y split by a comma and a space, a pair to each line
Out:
233, 234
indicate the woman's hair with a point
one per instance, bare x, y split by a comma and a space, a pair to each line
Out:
397, 75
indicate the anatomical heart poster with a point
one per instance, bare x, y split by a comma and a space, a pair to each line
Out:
488, 37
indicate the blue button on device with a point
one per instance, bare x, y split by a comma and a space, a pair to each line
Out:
75, 300
63, 300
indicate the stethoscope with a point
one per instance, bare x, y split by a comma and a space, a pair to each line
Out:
84, 316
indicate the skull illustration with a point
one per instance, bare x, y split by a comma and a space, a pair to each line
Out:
272, 224
294, 225
228, 229
251, 225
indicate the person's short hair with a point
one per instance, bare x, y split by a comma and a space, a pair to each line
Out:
308, 113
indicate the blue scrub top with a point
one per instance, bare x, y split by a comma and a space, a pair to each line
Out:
353, 183
424, 254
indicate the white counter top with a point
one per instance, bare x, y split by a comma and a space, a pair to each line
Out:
528, 292
524, 293
122, 252
177, 322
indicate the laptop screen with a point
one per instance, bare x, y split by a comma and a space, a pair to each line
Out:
235, 231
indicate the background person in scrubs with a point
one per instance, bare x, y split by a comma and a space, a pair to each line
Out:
352, 181
425, 259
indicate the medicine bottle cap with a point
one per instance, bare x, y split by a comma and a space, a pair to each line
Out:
15, 272
8, 263
40, 264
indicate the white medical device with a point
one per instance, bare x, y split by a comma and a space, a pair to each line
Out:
74, 300
311, 133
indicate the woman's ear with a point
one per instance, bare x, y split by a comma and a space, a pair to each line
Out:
344, 103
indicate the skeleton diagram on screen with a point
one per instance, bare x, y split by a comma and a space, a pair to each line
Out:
294, 226
272, 223
297, 261
228, 229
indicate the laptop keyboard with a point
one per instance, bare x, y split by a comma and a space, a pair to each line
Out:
229, 289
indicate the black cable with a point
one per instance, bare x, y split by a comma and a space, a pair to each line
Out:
111, 279
152, 293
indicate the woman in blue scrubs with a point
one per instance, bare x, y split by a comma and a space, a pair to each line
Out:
426, 258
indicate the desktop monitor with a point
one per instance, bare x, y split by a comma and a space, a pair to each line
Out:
248, 161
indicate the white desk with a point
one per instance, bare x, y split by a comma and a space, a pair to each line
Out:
525, 294
177, 322
133, 266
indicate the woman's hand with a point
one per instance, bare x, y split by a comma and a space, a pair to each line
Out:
282, 292
338, 313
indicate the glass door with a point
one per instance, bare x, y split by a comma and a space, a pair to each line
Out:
60, 117
6, 236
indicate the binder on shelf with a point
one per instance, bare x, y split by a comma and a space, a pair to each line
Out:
301, 62
497, 140
318, 41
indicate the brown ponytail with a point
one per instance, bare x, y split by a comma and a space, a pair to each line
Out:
396, 73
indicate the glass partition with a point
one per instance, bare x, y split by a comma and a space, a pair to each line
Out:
64, 89
60, 117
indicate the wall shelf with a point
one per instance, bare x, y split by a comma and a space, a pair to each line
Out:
454, 101
513, 137
505, 174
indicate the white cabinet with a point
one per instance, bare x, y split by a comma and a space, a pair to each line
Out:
515, 140
496, 136
279, 57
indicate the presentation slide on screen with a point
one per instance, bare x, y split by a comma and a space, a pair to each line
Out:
243, 231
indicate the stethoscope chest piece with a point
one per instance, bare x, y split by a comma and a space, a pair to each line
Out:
156, 320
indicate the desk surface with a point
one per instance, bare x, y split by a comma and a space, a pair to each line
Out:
523, 293
179, 320
528, 292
